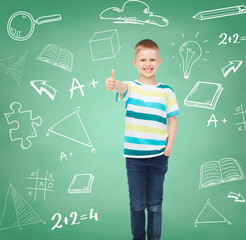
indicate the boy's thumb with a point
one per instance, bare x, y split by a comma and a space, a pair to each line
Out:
112, 73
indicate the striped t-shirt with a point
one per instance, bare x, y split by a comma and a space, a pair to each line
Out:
147, 109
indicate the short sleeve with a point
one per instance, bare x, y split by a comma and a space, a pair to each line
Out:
172, 106
124, 96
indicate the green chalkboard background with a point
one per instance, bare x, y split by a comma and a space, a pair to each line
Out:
197, 141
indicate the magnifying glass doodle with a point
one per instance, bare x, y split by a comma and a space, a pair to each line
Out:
21, 24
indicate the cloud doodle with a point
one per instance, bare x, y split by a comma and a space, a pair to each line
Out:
134, 12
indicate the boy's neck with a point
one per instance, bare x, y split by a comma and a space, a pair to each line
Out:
147, 81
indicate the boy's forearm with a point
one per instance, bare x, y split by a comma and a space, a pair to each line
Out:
120, 87
172, 130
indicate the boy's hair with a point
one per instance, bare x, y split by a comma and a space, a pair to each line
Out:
146, 43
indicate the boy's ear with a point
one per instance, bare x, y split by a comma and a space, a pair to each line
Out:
160, 62
134, 62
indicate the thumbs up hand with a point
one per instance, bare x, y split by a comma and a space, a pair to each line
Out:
110, 82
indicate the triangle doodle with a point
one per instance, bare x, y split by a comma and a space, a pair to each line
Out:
17, 212
210, 215
72, 128
14, 65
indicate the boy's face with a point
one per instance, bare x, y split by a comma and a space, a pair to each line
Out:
147, 62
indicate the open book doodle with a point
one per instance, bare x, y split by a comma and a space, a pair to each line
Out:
81, 183
204, 95
217, 172
56, 56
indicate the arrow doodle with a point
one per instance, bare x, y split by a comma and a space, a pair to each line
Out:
238, 197
40, 86
232, 66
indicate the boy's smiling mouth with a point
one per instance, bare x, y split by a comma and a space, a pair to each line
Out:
148, 69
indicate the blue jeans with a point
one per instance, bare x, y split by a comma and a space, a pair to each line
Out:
145, 181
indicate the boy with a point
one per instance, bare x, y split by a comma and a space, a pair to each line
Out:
149, 106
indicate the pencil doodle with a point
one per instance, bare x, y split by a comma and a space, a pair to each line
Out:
221, 12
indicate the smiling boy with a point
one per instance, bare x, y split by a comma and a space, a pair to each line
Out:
150, 107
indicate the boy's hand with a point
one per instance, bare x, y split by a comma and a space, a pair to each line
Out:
110, 82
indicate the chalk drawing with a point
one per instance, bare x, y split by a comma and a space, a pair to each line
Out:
104, 45
221, 12
57, 56
218, 172
190, 52
72, 128
41, 86
25, 123
204, 95
14, 65
73, 218
40, 184
17, 212
81, 183
237, 196
21, 24
134, 12
241, 113
210, 214
63, 155
79, 86
231, 39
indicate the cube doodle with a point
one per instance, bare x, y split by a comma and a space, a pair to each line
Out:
25, 125
104, 45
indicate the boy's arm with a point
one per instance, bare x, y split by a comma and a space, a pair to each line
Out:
115, 85
172, 129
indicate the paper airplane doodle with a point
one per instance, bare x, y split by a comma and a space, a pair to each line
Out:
232, 66
14, 65
41, 86
238, 197
210, 215
25, 124
72, 128
134, 12
17, 212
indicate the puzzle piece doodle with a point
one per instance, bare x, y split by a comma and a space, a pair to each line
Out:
24, 128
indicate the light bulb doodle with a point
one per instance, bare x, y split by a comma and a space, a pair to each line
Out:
190, 52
